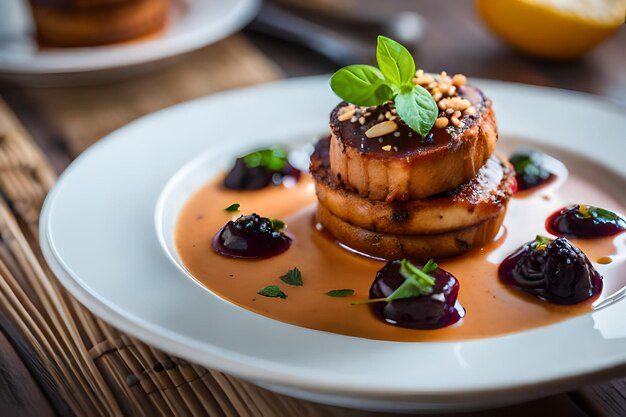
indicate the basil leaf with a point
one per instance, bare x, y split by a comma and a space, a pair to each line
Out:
395, 61
417, 108
233, 207
272, 291
340, 293
292, 277
363, 85
416, 282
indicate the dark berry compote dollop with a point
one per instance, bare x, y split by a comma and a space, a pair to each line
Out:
529, 169
555, 271
260, 169
416, 296
252, 237
581, 220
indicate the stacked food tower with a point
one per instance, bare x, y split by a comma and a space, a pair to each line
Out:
409, 170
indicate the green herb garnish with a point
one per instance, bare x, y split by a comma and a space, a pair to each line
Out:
272, 291
278, 225
340, 293
416, 282
292, 277
273, 158
585, 212
542, 242
527, 164
365, 85
233, 207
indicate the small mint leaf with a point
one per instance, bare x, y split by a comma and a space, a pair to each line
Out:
233, 207
292, 277
272, 291
340, 293
430, 266
273, 158
416, 282
417, 109
277, 224
363, 85
394, 61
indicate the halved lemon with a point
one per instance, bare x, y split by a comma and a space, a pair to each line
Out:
556, 29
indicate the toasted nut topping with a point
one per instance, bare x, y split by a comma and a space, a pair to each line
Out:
470, 111
381, 129
455, 121
441, 122
346, 113
386, 148
459, 80
455, 103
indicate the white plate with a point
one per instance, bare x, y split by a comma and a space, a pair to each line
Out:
192, 25
98, 234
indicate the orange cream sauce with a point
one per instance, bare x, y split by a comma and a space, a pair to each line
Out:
491, 307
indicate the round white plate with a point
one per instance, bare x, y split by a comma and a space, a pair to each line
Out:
192, 25
98, 235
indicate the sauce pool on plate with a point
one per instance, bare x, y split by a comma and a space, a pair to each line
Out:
492, 308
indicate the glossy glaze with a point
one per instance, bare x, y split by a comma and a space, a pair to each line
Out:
408, 142
555, 271
568, 221
434, 310
250, 237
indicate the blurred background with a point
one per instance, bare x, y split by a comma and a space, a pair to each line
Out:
72, 71
83, 68
536, 46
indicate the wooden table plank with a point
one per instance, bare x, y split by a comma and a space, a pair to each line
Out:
26, 388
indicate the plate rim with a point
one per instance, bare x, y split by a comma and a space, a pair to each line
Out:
110, 314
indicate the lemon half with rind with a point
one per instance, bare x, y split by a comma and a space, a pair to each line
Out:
554, 29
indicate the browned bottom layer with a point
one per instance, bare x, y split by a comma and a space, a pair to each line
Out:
418, 247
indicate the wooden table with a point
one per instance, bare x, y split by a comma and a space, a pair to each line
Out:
456, 41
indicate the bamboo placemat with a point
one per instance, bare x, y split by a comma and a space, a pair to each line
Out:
98, 370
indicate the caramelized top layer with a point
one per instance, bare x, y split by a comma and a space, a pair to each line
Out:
492, 185
404, 141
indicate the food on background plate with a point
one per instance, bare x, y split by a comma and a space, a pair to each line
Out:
70, 23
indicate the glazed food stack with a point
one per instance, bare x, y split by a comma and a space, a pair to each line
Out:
390, 191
